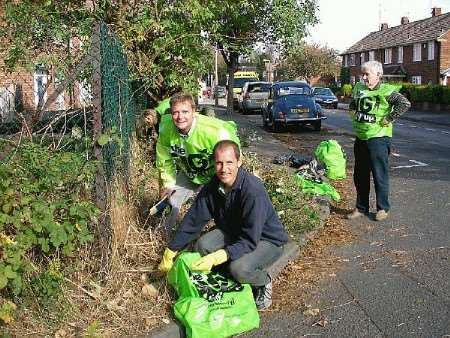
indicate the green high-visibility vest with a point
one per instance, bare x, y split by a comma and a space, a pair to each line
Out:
371, 108
192, 153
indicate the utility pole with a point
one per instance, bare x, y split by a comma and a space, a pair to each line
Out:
216, 77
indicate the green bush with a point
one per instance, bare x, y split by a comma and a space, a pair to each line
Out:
347, 90
45, 209
426, 93
446, 95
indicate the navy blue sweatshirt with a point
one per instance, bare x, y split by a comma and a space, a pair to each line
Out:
245, 214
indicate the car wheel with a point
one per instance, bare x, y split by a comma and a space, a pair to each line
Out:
317, 125
335, 106
265, 125
276, 127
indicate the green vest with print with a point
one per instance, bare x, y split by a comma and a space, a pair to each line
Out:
192, 154
371, 108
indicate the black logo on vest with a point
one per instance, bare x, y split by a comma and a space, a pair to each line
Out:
365, 105
195, 164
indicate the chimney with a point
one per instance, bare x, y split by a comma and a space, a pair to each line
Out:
384, 26
404, 20
435, 11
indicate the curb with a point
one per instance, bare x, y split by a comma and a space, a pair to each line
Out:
416, 119
291, 251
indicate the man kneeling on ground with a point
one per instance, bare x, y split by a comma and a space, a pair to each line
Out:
248, 232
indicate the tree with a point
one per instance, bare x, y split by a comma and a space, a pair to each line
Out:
309, 61
235, 26
164, 41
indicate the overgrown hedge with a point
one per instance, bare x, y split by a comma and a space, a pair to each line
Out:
415, 93
426, 93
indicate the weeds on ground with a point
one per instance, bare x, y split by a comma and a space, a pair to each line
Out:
86, 295
297, 212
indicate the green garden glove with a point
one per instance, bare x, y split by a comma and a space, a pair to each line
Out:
167, 260
206, 263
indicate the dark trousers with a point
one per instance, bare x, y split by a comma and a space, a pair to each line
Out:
372, 156
250, 268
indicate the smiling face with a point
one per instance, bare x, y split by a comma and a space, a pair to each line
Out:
183, 115
227, 165
370, 77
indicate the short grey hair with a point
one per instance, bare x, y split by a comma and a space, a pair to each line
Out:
374, 66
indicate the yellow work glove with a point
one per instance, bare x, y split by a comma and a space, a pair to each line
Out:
167, 260
206, 263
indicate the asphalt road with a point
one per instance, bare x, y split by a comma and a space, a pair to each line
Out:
395, 278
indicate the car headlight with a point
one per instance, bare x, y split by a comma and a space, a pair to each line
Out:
319, 100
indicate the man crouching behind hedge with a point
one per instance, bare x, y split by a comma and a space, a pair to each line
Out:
248, 232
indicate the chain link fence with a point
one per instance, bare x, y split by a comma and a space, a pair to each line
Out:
93, 103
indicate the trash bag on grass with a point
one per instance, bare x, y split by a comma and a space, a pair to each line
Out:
317, 188
211, 305
331, 154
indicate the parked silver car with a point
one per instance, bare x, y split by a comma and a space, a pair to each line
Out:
254, 96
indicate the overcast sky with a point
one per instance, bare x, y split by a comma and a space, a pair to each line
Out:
344, 22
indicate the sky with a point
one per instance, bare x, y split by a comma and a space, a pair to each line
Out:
345, 22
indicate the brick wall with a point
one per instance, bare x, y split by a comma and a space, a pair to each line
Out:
445, 51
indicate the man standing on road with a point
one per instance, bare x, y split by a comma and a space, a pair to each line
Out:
248, 232
184, 150
375, 106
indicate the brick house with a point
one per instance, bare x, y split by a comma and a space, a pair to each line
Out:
22, 89
416, 52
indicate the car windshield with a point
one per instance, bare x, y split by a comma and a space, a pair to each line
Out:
240, 82
323, 91
292, 90
259, 88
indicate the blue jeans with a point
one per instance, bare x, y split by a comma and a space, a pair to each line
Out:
250, 268
372, 156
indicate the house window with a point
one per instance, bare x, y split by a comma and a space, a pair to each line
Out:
59, 102
417, 52
362, 58
416, 80
85, 93
388, 55
400, 54
372, 55
430, 50
352, 59
40, 86
345, 60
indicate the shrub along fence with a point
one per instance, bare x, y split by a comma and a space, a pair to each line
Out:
63, 129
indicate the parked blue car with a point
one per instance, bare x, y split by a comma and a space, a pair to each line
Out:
291, 103
325, 97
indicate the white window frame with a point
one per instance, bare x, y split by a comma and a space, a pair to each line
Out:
352, 60
346, 60
400, 54
417, 52
387, 55
60, 100
362, 58
372, 55
85, 93
430, 50
40, 75
417, 79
